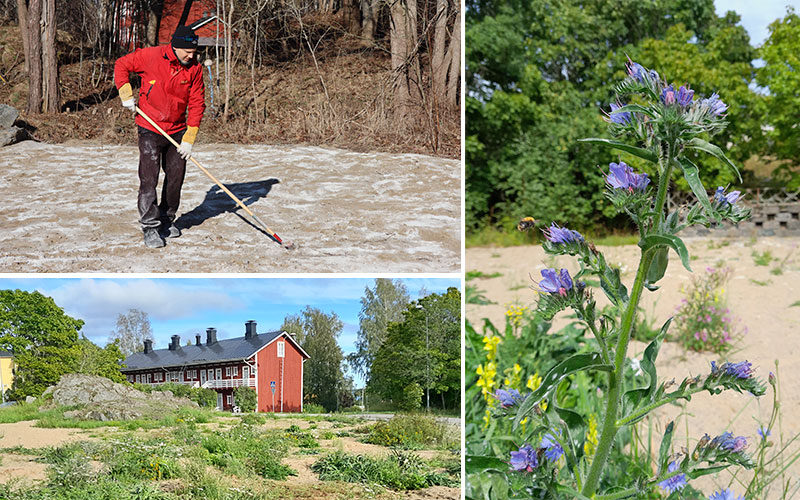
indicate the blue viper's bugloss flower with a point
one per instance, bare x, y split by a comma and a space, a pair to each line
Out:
714, 104
622, 118
728, 442
742, 369
639, 72
622, 176
559, 235
725, 494
675, 482
559, 283
683, 96
552, 449
763, 432
524, 459
725, 199
508, 398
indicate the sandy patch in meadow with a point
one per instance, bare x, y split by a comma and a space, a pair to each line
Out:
763, 301
27, 470
72, 208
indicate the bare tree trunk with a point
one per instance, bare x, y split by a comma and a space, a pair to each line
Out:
404, 59
22, 17
35, 48
454, 56
228, 56
438, 59
351, 16
369, 14
152, 25
51, 93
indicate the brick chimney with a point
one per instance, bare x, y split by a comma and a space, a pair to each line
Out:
211, 336
148, 346
197, 339
176, 343
250, 330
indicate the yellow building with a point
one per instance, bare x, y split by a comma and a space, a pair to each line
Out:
6, 372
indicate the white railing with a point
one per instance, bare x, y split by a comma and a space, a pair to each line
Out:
229, 383
193, 383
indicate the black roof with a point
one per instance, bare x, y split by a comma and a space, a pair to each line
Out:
6, 354
223, 350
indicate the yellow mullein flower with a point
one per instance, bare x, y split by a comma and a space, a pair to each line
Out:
512, 376
534, 381
522, 423
590, 446
486, 378
490, 346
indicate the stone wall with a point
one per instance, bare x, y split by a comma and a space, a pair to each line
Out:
773, 219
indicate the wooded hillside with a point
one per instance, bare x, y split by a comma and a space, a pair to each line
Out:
368, 75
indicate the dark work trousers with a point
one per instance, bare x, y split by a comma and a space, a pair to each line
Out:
156, 153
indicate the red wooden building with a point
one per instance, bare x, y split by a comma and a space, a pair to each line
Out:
271, 363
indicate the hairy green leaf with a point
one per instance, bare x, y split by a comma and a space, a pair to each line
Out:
692, 175
642, 153
672, 241
707, 147
666, 444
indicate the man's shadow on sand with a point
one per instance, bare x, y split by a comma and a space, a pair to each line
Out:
217, 202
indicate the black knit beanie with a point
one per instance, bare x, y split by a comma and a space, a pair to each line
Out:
184, 38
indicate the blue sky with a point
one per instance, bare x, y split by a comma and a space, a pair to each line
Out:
187, 306
756, 15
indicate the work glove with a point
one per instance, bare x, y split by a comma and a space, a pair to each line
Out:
126, 96
185, 150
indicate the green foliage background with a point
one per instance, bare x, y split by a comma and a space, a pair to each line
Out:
537, 71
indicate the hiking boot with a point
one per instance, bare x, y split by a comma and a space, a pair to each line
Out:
170, 230
152, 239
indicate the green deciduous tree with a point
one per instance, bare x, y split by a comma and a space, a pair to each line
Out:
781, 53
322, 374
380, 305
104, 362
424, 348
42, 337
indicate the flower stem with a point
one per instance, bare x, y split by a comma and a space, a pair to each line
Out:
664, 173
652, 406
615, 382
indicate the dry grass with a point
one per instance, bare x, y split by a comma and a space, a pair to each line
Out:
281, 102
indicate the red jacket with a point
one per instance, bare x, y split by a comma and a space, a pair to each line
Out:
168, 88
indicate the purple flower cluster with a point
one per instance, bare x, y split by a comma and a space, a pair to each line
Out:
728, 442
673, 483
683, 96
509, 398
726, 199
527, 456
524, 459
725, 494
639, 72
742, 369
553, 449
562, 235
622, 118
553, 282
714, 104
622, 176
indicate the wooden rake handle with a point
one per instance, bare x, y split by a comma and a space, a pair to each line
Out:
210, 176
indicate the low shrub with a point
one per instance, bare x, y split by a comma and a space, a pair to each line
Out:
399, 471
703, 321
412, 431
245, 449
246, 398
253, 419
313, 408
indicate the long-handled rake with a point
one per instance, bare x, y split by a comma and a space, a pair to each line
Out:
287, 245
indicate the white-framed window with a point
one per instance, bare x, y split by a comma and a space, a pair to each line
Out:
245, 372
148, 378
229, 399
235, 371
131, 378
281, 349
219, 373
159, 377
138, 379
210, 374
228, 371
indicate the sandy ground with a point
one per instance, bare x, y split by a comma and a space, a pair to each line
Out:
27, 470
72, 208
762, 300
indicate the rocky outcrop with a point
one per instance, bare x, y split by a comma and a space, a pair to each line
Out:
9, 134
101, 399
